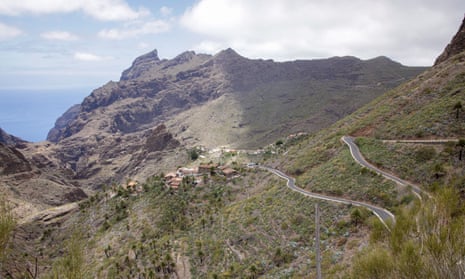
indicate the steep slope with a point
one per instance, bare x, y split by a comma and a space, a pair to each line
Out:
424, 108
213, 101
456, 46
60, 124
8, 139
253, 226
34, 183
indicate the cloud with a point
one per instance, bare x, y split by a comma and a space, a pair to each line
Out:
105, 10
59, 35
151, 27
165, 11
210, 47
283, 30
89, 57
7, 32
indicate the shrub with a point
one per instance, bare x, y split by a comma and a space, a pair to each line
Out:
425, 154
374, 263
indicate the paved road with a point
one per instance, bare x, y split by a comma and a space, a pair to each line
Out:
358, 157
423, 141
383, 214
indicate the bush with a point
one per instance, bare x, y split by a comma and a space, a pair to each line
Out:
374, 263
425, 154
193, 154
7, 225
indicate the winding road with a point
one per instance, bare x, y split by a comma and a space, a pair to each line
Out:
384, 215
358, 157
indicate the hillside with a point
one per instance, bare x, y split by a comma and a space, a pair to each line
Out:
252, 225
221, 100
34, 183
428, 107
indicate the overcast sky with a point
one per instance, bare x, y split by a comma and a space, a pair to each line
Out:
85, 43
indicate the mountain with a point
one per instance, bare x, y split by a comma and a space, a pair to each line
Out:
221, 100
424, 108
8, 139
456, 46
62, 121
253, 226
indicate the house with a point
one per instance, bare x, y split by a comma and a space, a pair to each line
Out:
206, 168
181, 172
175, 182
170, 176
229, 172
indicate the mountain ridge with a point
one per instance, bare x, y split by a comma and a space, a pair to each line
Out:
253, 226
220, 100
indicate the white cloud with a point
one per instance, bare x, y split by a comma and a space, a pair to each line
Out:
59, 35
90, 57
165, 11
99, 9
151, 27
408, 31
209, 47
7, 32
143, 45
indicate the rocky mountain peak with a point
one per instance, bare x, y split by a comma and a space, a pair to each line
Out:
140, 65
184, 57
456, 46
227, 55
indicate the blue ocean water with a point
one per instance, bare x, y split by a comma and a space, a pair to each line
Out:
30, 114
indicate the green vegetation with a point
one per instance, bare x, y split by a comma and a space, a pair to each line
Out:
458, 107
72, 264
331, 170
426, 242
7, 225
244, 228
428, 165
193, 154
253, 226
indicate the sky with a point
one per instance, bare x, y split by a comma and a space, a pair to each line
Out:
62, 44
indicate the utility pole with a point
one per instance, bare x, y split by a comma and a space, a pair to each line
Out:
317, 241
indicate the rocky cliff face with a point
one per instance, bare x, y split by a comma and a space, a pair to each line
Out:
456, 46
67, 117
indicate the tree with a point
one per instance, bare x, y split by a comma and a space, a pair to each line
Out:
461, 144
356, 217
193, 154
458, 107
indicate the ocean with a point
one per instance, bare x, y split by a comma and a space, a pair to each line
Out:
30, 114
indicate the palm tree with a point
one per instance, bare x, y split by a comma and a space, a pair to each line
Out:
458, 107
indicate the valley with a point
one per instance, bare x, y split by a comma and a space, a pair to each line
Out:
209, 166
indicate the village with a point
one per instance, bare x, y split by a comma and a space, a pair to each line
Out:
199, 174
229, 164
